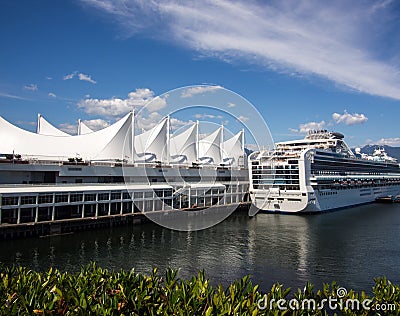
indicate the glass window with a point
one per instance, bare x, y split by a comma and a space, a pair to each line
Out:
45, 198
103, 196
115, 195
76, 197
9, 200
138, 195
148, 194
61, 198
90, 197
28, 200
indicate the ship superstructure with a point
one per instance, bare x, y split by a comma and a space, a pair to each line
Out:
319, 173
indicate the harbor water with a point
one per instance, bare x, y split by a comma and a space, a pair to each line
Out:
351, 246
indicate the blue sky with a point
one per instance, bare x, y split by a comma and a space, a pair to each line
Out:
303, 64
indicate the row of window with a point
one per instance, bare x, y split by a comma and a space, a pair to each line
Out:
80, 197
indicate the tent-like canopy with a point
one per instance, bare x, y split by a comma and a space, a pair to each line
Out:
45, 128
210, 148
83, 128
118, 142
183, 147
152, 145
111, 143
232, 149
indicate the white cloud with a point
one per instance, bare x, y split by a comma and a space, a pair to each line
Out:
87, 78
349, 119
207, 116
96, 124
11, 96
49, 78
30, 123
389, 141
116, 107
177, 124
51, 94
231, 105
68, 128
306, 127
70, 76
322, 38
81, 76
191, 91
31, 87
243, 119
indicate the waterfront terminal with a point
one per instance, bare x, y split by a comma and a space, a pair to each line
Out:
55, 183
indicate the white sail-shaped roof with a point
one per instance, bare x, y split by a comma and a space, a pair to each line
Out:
151, 146
232, 149
183, 147
45, 128
111, 143
83, 128
210, 148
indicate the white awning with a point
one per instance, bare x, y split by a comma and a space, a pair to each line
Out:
111, 143
184, 146
45, 128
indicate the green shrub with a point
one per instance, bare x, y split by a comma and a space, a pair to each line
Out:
97, 291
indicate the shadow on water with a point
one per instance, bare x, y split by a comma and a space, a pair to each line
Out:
351, 246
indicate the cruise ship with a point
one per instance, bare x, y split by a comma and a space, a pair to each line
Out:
319, 173
50, 176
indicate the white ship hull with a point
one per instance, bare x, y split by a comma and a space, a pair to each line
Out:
321, 201
318, 174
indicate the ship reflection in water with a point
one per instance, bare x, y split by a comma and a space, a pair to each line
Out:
351, 247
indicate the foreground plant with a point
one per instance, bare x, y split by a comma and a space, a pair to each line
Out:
97, 291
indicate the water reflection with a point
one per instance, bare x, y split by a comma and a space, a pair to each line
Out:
351, 247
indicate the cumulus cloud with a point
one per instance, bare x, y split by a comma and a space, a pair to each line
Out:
349, 119
116, 107
31, 87
177, 124
96, 124
51, 94
68, 128
318, 38
390, 141
191, 91
306, 127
